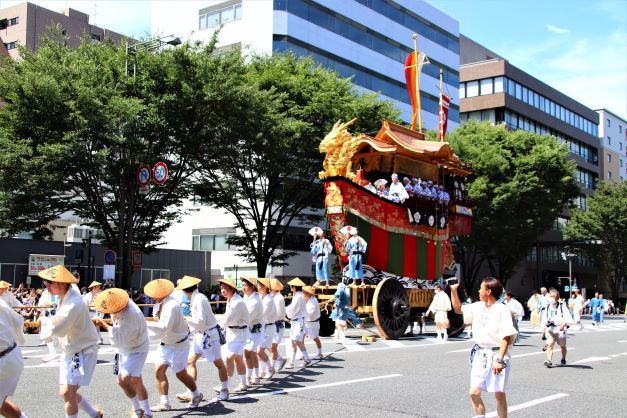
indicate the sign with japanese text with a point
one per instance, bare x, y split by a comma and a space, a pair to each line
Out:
40, 262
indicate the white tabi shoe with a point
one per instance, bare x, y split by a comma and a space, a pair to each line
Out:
223, 395
193, 404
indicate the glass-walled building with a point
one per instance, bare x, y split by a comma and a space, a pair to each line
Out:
367, 40
491, 89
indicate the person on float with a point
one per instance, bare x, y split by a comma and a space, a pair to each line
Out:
312, 319
397, 192
277, 361
296, 312
207, 337
321, 248
94, 289
255, 328
493, 333
356, 247
129, 336
555, 321
7, 296
380, 187
172, 333
11, 360
78, 340
235, 321
440, 306
269, 326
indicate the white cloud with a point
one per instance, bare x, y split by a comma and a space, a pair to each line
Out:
559, 31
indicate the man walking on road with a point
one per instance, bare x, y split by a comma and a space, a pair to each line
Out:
517, 312
578, 303
555, 318
493, 332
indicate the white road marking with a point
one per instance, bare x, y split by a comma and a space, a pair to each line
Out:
393, 343
353, 346
614, 355
325, 385
463, 350
591, 359
530, 403
536, 352
623, 341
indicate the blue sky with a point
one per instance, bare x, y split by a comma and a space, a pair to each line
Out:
576, 46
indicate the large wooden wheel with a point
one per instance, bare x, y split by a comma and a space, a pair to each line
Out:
390, 308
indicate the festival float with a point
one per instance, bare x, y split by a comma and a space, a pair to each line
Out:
409, 243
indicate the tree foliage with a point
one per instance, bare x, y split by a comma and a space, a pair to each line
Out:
263, 169
605, 219
521, 182
75, 128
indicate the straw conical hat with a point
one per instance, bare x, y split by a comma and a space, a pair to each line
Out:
265, 282
309, 290
251, 280
228, 282
159, 288
187, 281
296, 282
276, 285
315, 231
58, 274
94, 284
4, 285
111, 300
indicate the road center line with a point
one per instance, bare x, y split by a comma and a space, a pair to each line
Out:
325, 385
530, 403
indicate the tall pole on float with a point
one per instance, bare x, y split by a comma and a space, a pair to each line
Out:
417, 83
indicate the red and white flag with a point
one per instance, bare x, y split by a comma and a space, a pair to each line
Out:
445, 102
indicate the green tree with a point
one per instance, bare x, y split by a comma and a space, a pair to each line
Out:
264, 169
605, 219
75, 128
521, 182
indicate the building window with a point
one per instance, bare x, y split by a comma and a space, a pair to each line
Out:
10, 45
609, 158
210, 243
609, 175
620, 146
462, 90
620, 129
498, 84
609, 140
485, 86
95, 37
581, 202
609, 123
13, 21
215, 18
472, 89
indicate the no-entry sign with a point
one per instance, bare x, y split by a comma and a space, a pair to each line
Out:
143, 175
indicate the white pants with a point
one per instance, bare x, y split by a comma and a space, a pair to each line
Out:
233, 347
77, 369
255, 341
212, 350
11, 367
312, 329
482, 375
297, 331
176, 358
131, 364
269, 332
278, 336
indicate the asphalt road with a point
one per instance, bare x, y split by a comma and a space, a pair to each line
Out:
410, 377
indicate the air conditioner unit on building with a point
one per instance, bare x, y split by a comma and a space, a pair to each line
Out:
76, 233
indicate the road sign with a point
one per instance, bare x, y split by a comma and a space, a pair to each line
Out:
40, 262
566, 288
143, 175
144, 189
138, 258
110, 256
160, 173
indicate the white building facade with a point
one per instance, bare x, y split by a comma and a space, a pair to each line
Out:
368, 40
613, 140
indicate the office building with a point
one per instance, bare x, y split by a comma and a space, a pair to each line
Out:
3, 49
368, 40
613, 140
494, 90
25, 24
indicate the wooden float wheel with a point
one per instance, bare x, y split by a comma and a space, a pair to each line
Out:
390, 308
327, 325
